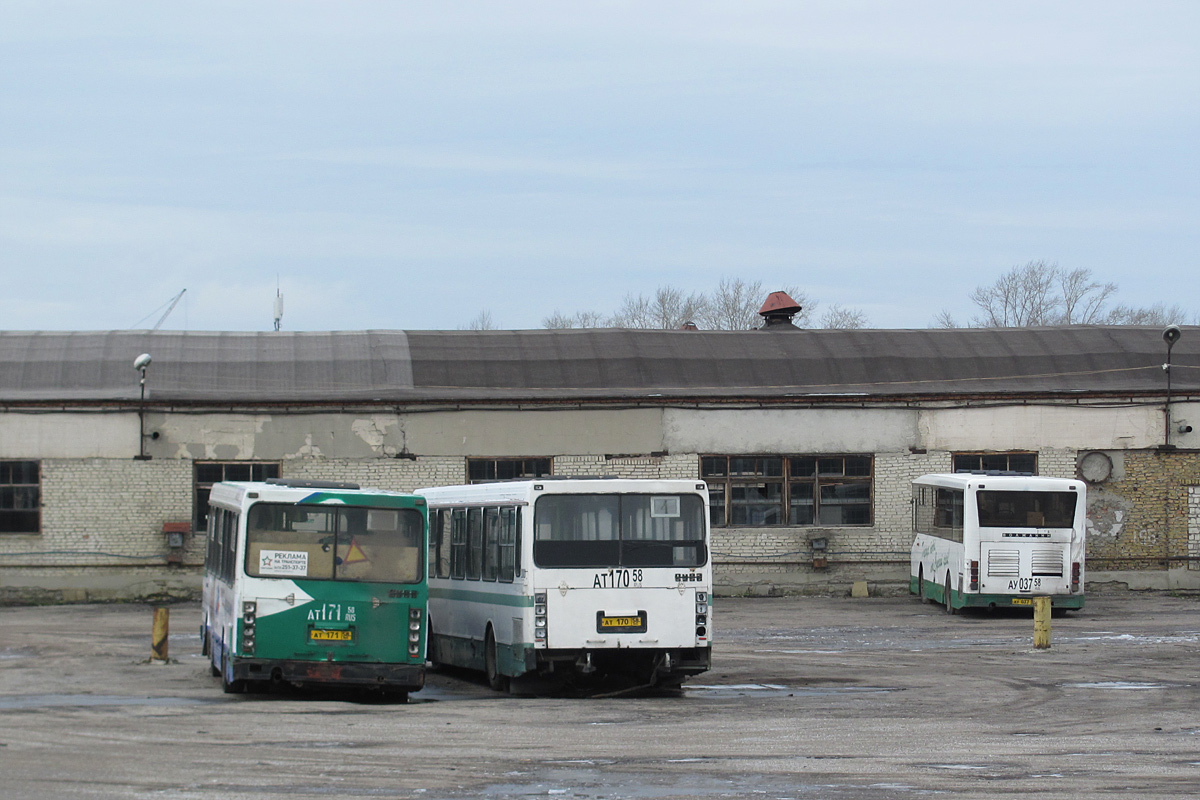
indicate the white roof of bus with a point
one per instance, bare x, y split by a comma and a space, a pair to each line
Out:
964, 480
233, 493
521, 491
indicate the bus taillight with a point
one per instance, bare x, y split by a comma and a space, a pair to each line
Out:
249, 613
539, 617
974, 576
1076, 571
414, 632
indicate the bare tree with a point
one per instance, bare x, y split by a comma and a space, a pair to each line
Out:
635, 312
1083, 299
581, 319
945, 319
1020, 298
481, 322
733, 305
837, 317
1041, 293
1157, 314
558, 321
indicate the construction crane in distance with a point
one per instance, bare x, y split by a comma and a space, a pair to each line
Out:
174, 302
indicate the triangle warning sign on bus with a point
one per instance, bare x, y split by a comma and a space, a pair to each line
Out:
355, 554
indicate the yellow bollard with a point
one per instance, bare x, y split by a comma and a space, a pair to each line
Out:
158, 639
1041, 623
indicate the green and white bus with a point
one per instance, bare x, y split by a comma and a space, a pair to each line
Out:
584, 582
315, 582
998, 539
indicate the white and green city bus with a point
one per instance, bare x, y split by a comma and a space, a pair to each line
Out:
998, 539
584, 582
315, 582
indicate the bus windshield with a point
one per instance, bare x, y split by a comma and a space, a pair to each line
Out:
342, 543
1026, 509
627, 530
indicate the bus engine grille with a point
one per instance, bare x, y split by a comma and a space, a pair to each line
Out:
1048, 562
1004, 564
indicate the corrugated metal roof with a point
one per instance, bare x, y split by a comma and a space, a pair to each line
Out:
404, 366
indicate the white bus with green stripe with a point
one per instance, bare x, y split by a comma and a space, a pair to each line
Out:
995, 539
587, 582
315, 582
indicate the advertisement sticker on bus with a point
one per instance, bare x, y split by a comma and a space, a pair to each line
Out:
283, 562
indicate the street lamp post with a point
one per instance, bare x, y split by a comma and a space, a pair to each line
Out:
140, 363
1170, 335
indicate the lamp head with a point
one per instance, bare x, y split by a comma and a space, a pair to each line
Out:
1171, 334
142, 361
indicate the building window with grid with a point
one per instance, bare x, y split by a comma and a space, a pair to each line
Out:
1004, 462
788, 490
485, 470
209, 472
20, 497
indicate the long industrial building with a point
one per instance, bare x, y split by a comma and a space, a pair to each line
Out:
807, 439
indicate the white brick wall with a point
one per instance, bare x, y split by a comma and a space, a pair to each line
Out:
393, 474
110, 512
1193, 517
104, 512
645, 467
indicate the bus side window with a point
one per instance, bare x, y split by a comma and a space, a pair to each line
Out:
508, 530
208, 541
491, 543
229, 562
516, 515
441, 534
223, 547
458, 547
435, 542
474, 543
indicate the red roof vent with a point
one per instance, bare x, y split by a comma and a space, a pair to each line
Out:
779, 309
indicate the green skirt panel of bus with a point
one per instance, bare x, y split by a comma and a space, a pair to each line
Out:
357, 622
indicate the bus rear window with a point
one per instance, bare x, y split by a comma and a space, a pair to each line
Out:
345, 543
1026, 509
629, 530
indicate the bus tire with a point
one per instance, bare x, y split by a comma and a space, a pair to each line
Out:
949, 600
921, 593
431, 650
491, 664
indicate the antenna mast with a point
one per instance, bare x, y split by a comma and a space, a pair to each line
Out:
278, 304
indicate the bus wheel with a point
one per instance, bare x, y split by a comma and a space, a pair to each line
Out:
921, 593
491, 666
949, 602
431, 653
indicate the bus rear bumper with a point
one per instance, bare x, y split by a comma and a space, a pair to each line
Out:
676, 662
966, 600
410, 677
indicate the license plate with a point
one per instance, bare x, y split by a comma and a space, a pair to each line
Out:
331, 636
1022, 601
620, 624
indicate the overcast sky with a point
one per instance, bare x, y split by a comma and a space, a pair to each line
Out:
402, 165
